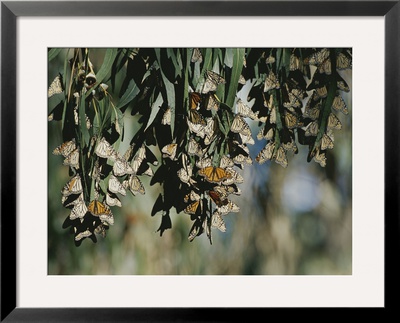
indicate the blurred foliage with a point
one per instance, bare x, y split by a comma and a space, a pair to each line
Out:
167, 118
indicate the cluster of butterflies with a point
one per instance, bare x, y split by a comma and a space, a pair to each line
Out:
314, 120
201, 163
105, 185
215, 143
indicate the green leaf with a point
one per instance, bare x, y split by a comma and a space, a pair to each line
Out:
109, 58
53, 53
237, 66
131, 92
82, 118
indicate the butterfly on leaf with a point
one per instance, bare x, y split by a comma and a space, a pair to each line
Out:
271, 82
169, 151
113, 200
228, 208
56, 86
244, 110
292, 121
134, 184
194, 148
72, 159
214, 174
79, 210
105, 150
197, 118
312, 128
334, 122
194, 208
343, 61
115, 186
281, 158
318, 58
74, 186
197, 57
217, 221
326, 142
212, 102
218, 198
212, 81
102, 211
239, 125
266, 153
166, 118
339, 105
320, 158
121, 167
65, 148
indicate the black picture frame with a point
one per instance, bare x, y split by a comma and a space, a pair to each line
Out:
11, 10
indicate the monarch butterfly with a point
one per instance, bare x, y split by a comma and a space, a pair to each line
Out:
115, 186
270, 59
195, 100
212, 81
214, 174
197, 129
194, 148
218, 198
192, 196
56, 86
339, 104
343, 62
97, 208
333, 122
320, 158
74, 186
107, 218
266, 153
136, 162
232, 177
209, 131
224, 190
269, 135
65, 148
295, 63
105, 150
166, 119
79, 210
318, 57
281, 158
325, 67
271, 82
272, 116
134, 184
185, 174
312, 113
239, 125
326, 142
242, 159
228, 208
321, 92
217, 221
169, 151
82, 235
226, 162
72, 159
196, 56
101, 229
212, 102
197, 118
342, 85
194, 207
67, 201
113, 200
312, 129
204, 162
245, 111
121, 167
292, 121
290, 146
195, 231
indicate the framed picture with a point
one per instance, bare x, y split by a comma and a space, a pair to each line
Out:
100, 98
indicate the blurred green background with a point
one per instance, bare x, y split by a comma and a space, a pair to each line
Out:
293, 221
